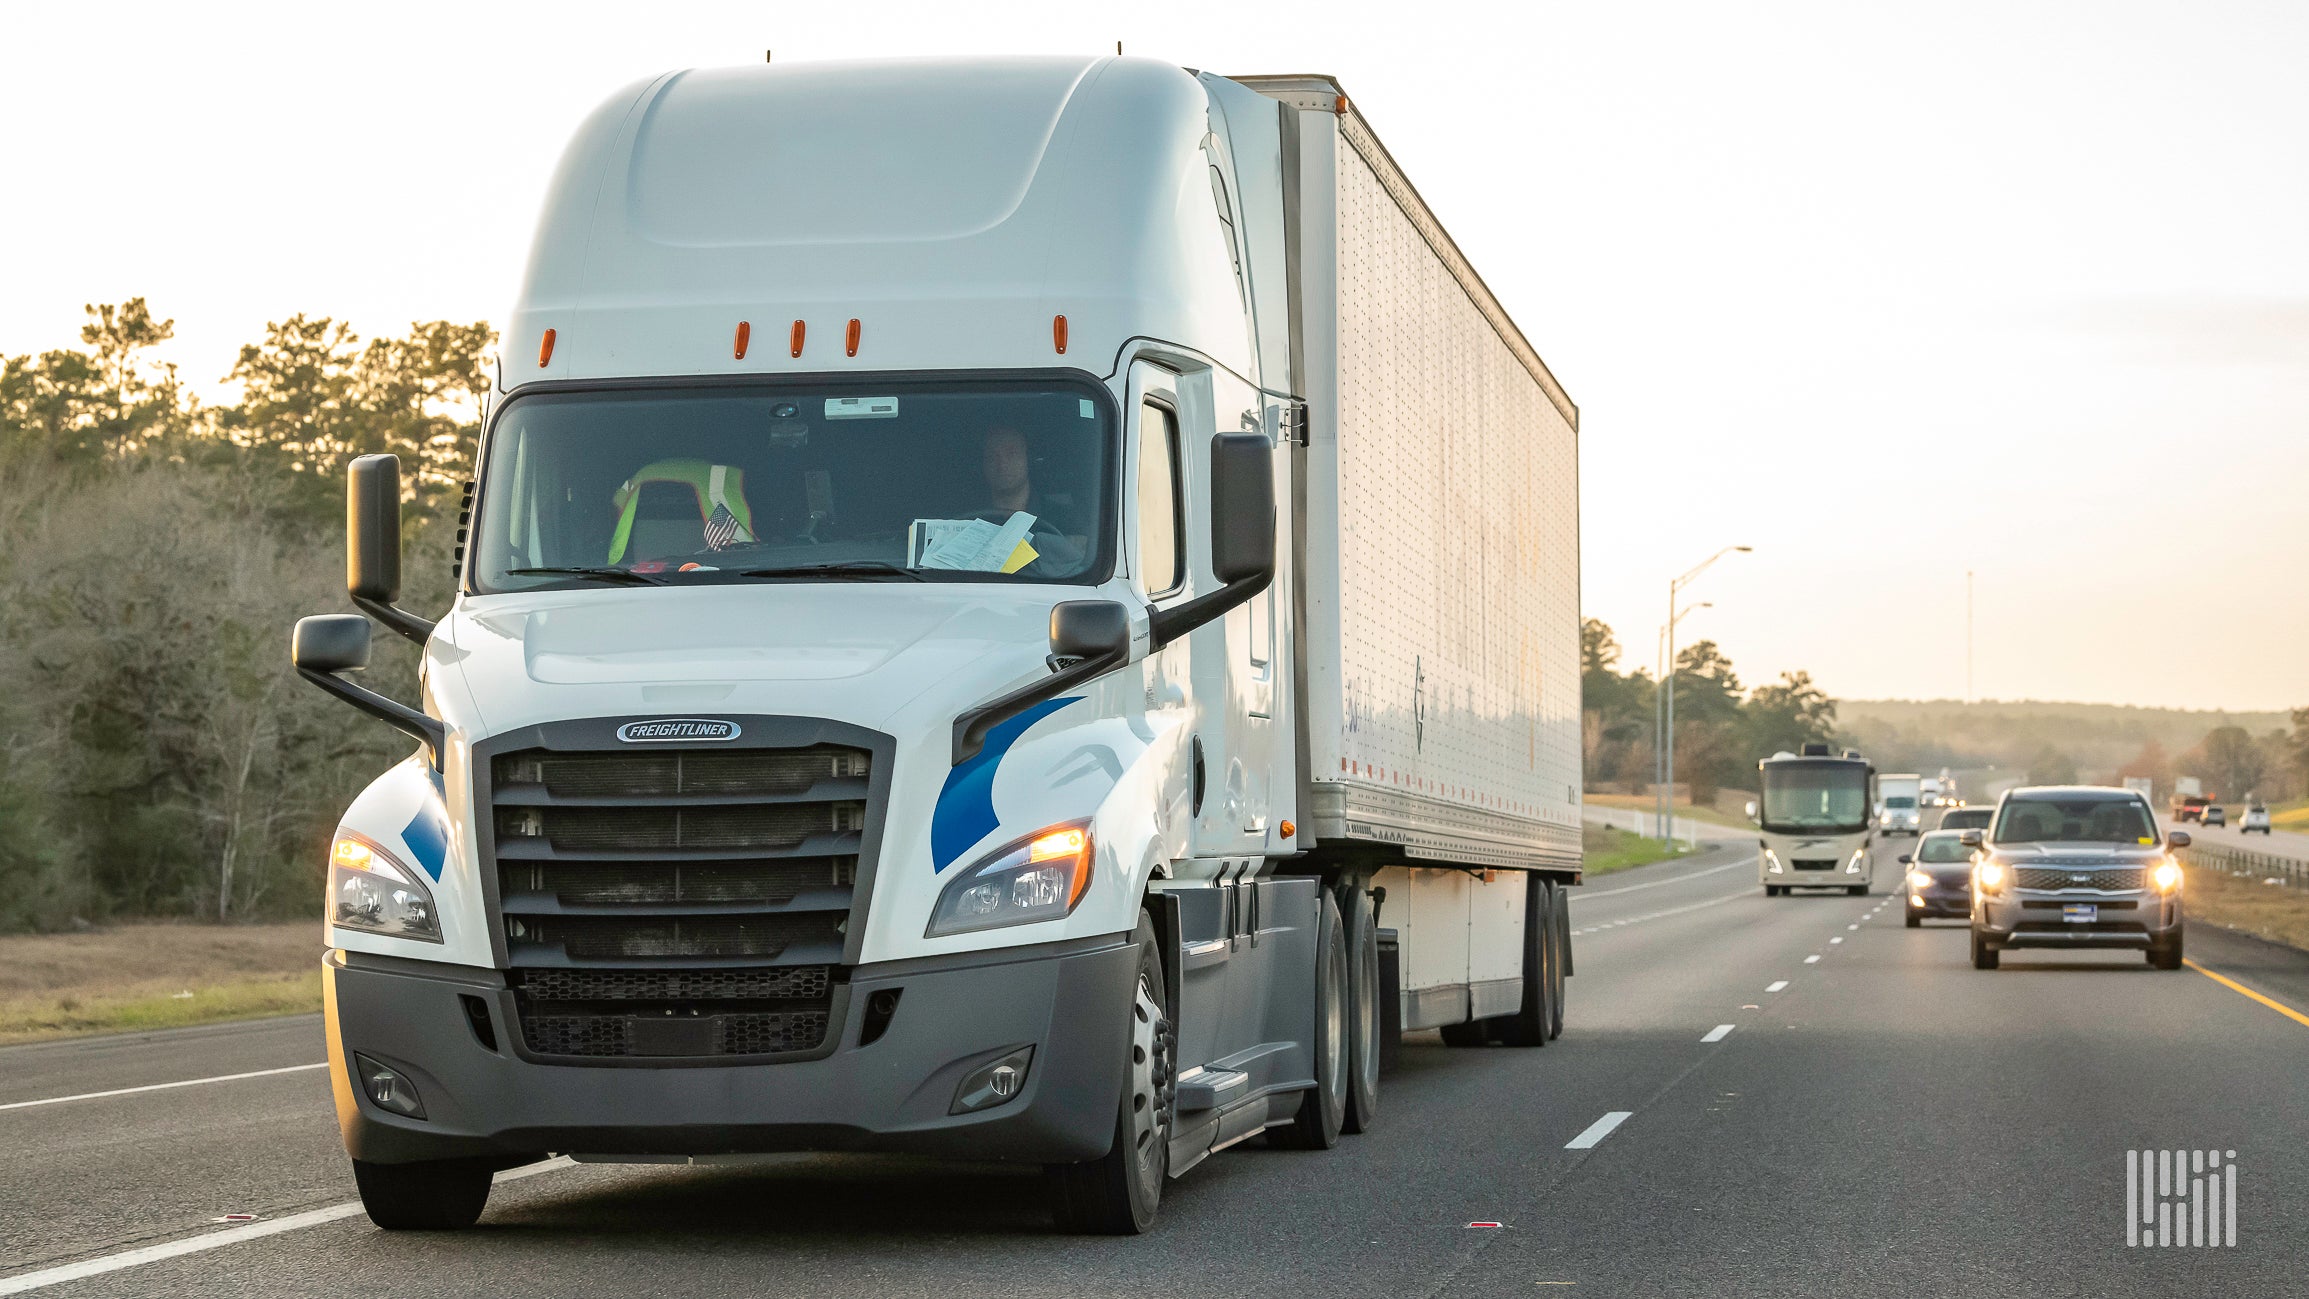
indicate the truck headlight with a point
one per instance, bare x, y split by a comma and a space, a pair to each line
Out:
1859, 859
1771, 861
372, 892
1040, 877
2167, 875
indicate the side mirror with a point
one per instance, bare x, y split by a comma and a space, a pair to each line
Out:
2177, 839
1751, 809
1088, 629
373, 544
331, 642
1969, 838
1242, 507
1907, 859
327, 644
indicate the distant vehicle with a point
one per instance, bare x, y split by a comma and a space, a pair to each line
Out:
1898, 806
1932, 791
2190, 807
1939, 884
2075, 866
2214, 814
2256, 818
1814, 819
2142, 785
1966, 818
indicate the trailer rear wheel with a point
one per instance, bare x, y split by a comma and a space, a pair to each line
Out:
1118, 1193
1364, 1021
441, 1195
1528, 1024
1560, 964
1323, 1107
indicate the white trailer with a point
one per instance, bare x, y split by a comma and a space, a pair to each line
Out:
1017, 609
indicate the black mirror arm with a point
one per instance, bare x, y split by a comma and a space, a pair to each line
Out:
970, 728
1176, 621
424, 729
396, 618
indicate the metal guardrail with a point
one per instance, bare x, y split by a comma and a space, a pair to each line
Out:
2292, 872
1647, 824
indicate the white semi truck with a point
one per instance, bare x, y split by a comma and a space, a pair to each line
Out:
1017, 609
1813, 815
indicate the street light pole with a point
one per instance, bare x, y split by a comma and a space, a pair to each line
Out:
1662, 808
1668, 691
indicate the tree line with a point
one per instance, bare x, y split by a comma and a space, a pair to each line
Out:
158, 755
1722, 728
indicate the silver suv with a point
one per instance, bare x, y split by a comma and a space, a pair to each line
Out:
2075, 866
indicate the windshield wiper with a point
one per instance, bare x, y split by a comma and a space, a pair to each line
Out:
605, 574
856, 568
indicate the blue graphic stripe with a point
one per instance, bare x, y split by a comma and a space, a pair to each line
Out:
427, 835
965, 811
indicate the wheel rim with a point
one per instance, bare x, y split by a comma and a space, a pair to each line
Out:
1149, 1117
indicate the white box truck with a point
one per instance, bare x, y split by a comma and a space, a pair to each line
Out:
1899, 804
1017, 609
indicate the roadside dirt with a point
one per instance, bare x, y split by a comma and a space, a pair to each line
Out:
129, 958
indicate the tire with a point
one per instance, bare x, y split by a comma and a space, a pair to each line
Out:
1773, 890
1857, 890
1323, 1107
1527, 1025
446, 1195
1474, 1033
1915, 921
1119, 1193
2166, 956
1360, 922
1560, 962
1984, 957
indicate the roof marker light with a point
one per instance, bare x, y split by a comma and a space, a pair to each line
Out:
545, 349
799, 330
745, 335
1339, 106
850, 338
1058, 333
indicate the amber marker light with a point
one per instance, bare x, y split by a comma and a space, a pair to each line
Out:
1289, 829
1058, 333
745, 335
796, 338
545, 349
850, 338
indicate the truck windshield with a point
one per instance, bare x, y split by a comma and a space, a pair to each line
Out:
2074, 820
948, 481
1900, 801
1815, 797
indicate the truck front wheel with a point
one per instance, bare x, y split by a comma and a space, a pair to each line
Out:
444, 1195
1118, 1194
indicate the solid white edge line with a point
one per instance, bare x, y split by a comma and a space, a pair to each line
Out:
1581, 894
161, 1087
1718, 1033
1598, 1130
1776, 985
219, 1239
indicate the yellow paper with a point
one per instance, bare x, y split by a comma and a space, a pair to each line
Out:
1020, 558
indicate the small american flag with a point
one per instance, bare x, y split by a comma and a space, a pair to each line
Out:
724, 531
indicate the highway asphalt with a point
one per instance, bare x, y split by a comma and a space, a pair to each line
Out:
1878, 1118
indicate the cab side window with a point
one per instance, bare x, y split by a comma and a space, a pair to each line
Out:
1158, 499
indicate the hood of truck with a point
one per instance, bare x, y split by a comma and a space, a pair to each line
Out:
850, 652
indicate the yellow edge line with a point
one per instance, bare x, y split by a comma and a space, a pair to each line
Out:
2234, 986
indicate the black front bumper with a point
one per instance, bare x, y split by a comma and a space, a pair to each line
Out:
1068, 1001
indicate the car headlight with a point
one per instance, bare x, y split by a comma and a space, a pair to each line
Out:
2167, 875
1919, 880
372, 892
1040, 877
1989, 876
1771, 861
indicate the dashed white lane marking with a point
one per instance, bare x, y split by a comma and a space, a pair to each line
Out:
161, 1087
1837, 939
1718, 1033
1856, 926
1776, 985
1671, 911
1598, 1130
1812, 960
219, 1239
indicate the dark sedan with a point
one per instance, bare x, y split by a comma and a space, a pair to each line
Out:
1939, 878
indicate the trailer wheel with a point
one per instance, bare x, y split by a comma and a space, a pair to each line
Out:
1323, 1107
1118, 1193
440, 1195
1559, 965
1364, 1024
1528, 1024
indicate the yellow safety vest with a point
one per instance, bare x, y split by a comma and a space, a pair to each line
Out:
723, 485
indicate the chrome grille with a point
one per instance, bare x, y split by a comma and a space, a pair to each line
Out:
2119, 879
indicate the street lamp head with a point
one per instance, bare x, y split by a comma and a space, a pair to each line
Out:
1745, 550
